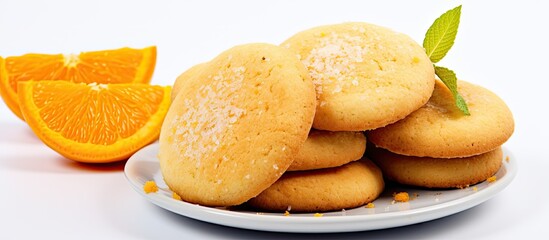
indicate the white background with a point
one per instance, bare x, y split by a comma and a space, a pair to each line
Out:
501, 45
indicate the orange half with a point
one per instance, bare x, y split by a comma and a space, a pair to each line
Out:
94, 122
124, 65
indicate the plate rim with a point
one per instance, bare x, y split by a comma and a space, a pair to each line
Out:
327, 224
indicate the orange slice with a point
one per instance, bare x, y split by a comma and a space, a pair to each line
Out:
124, 65
94, 122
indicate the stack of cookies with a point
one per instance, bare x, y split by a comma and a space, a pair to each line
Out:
360, 72
326, 174
282, 127
439, 147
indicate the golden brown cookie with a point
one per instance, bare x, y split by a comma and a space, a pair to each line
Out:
235, 128
440, 130
366, 76
436, 172
324, 149
348, 186
189, 73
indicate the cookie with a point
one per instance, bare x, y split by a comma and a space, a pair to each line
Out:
366, 76
189, 73
439, 129
348, 186
235, 128
436, 172
324, 149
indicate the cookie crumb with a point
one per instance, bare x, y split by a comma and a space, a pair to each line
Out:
475, 189
176, 196
401, 197
286, 213
150, 187
370, 205
507, 158
491, 179
318, 215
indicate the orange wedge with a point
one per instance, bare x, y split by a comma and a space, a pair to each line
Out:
124, 65
94, 123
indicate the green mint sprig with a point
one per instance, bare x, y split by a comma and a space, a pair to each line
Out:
438, 41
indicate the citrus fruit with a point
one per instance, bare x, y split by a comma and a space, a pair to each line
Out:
94, 122
124, 65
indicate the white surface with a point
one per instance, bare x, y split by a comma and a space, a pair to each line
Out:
501, 45
425, 205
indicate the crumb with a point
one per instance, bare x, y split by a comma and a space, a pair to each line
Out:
318, 215
286, 213
176, 196
491, 179
370, 205
150, 187
507, 158
401, 197
475, 189
414, 196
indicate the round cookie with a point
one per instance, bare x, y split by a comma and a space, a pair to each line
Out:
324, 149
366, 76
348, 186
185, 76
439, 129
436, 172
234, 128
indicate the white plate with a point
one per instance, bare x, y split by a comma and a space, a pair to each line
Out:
426, 204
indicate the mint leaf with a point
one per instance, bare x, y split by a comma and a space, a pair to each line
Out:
441, 35
438, 41
448, 77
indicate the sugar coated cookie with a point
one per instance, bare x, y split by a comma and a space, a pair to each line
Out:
366, 76
440, 130
348, 186
185, 76
324, 149
436, 172
235, 128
